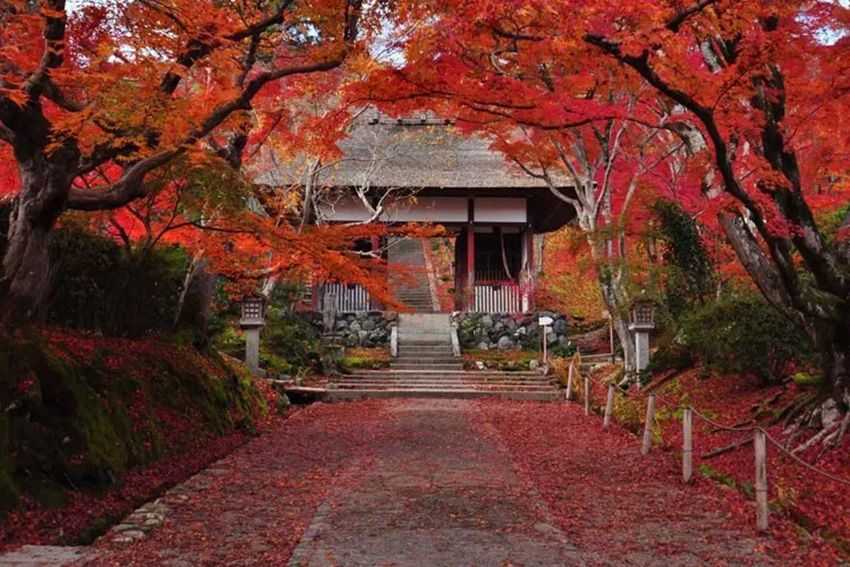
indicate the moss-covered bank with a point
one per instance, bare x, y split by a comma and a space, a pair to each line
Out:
80, 411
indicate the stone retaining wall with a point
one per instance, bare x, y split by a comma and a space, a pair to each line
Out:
508, 331
361, 329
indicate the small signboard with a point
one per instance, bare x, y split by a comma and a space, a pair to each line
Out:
545, 321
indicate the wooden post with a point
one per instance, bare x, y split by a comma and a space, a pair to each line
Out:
470, 258
760, 443
611, 337
609, 406
545, 346
647, 428
687, 445
531, 276
570, 382
586, 395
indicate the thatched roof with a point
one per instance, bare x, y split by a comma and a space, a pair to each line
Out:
415, 153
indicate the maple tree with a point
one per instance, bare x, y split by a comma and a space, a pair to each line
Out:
593, 142
753, 90
129, 87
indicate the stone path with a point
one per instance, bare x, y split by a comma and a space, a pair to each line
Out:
409, 483
438, 494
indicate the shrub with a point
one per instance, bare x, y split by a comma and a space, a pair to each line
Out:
743, 334
563, 350
673, 356
290, 344
99, 287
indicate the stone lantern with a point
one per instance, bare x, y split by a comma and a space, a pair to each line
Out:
642, 317
252, 322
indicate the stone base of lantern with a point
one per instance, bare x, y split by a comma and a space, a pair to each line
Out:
641, 335
252, 348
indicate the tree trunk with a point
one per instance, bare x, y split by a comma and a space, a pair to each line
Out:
613, 296
621, 328
25, 282
833, 344
193, 307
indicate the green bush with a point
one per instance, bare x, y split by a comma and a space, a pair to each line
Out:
563, 350
99, 287
743, 335
673, 356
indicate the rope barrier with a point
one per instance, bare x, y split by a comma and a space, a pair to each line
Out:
746, 429
800, 461
759, 436
713, 423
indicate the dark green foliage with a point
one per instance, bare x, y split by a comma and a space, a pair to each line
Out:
673, 356
563, 350
290, 344
689, 277
98, 286
743, 334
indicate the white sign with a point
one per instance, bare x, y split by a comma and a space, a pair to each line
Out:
545, 321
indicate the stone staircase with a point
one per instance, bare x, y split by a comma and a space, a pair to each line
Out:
588, 361
415, 291
425, 368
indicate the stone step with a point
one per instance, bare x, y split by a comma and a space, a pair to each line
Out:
417, 358
595, 358
351, 395
447, 373
445, 376
439, 384
426, 334
436, 341
444, 353
443, 366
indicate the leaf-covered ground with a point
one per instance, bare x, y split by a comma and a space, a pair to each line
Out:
263, 496
815, 510
390, 482
619, 506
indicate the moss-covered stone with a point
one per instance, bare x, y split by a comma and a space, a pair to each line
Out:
81, 411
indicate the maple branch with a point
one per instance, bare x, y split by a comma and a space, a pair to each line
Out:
778, 247
680, 18
197, 49
54, 46
6, 134
772, 282
131, 184
55, 94
518, 36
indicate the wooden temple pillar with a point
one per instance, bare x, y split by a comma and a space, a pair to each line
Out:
529, 288
465, 269
469, 296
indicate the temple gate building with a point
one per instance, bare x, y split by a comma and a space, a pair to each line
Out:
421, 170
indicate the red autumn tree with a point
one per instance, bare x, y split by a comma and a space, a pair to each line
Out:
585, 128
136, 85
756, 90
